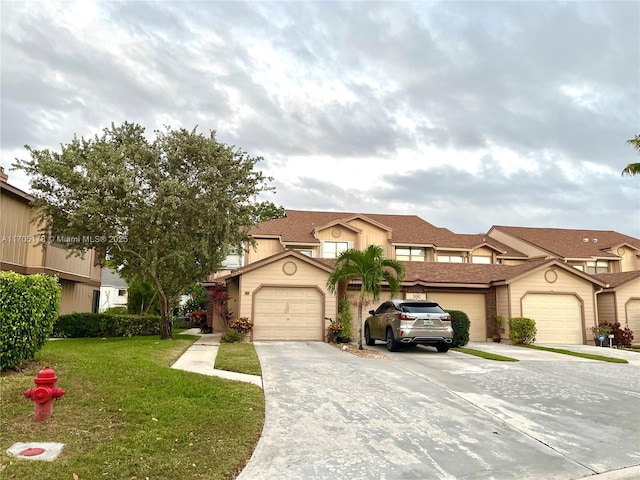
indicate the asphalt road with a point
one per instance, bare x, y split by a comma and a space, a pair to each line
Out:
428, 415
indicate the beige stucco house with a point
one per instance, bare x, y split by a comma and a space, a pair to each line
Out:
620, 300
22, 251
282, 285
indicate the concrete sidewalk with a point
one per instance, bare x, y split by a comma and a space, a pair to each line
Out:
201, 358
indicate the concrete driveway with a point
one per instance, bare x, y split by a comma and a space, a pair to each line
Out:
425, 415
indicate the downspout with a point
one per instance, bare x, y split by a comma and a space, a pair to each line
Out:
595, 297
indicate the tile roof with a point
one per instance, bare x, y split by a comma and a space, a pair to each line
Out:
616, 279
298, 227
566, 243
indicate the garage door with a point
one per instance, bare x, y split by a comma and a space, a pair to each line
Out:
558, 318
633, 318
286, 313
470, 303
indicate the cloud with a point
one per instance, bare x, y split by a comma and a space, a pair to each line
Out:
466, 113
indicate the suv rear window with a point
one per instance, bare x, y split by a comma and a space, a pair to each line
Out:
421, 308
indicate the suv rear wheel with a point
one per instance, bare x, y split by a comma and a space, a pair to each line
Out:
392, 345
442, 347
367, 336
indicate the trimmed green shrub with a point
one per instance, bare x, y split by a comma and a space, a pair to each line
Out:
345, 317
522, 331
80, 325
181, 322
460, 324
29, 305
116, 311
134, 326
232, 336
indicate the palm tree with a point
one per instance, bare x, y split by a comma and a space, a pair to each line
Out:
633, 168
372, 269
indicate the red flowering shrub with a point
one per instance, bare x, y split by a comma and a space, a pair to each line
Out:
242, 325
622, 337
220, 299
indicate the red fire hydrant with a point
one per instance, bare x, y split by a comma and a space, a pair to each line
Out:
44, 394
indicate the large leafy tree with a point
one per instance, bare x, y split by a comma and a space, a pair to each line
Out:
167, 210
266, 211
372, 268
633, 168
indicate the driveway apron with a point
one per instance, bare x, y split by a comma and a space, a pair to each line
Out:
421, 415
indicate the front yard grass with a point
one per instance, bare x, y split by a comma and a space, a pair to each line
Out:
127, 415
576, 354
487, 355
238, 357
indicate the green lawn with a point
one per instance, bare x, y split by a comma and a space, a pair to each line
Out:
589, 356
487, 355
238, 357
127, 415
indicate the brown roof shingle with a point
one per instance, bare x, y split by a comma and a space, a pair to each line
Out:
566, 243
467, 273
298, 227
616, 279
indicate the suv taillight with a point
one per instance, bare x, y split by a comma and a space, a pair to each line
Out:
445, 318
404, 317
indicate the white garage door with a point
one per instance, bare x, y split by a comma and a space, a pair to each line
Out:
633, 318
286, 313
558, 317
470, 303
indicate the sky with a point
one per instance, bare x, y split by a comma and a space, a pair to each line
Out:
467, 114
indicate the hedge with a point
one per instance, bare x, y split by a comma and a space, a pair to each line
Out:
460, 324
29, 305
77, 325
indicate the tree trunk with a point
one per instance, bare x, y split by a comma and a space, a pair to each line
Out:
360, 324
165, 324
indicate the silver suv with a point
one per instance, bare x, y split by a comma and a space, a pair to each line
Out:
409, 322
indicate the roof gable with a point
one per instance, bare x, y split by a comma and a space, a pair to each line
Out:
274, 258
341, 223
299, 226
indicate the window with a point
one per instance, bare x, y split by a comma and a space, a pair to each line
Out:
410, 254
479, 259
421, 308
333, 249
600, 266
122, 293
385, 308
450, 258
304, 251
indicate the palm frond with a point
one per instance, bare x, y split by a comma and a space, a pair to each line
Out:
632, 169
